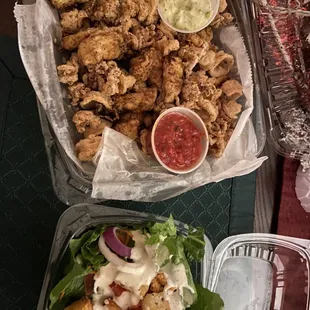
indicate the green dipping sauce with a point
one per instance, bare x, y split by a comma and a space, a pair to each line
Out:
188, 15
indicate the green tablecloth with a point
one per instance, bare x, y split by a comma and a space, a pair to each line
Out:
30, 210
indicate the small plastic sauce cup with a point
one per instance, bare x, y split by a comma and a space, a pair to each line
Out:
198, 123
214, 10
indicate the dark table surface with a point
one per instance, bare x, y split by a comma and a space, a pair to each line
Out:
30, 210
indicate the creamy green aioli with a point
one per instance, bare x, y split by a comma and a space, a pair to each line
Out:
186, 14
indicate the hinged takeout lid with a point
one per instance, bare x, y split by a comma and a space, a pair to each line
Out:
261, 271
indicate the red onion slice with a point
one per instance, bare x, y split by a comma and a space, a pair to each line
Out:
110, 237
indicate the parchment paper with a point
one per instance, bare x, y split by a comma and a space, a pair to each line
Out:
121, 171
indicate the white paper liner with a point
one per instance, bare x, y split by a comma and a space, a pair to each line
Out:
123, 172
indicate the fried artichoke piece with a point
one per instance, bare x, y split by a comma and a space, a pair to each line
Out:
148, 66
162, 30
222, 65
222, 6
93, 98
147, 12
166, 46
71, 22
232, 89
101, 46
191, 55
207, 61
107, 11
156, 75
129, 128
206, 34
198, 93
231, 109
87, 148
61, 4
82, 304
141, 66
87, 123
68, 73
155, 301
111, 79
172, 78
77, 92
144, 36
72, 41
141, 101
221, 20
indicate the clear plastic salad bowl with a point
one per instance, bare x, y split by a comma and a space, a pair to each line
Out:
252, 271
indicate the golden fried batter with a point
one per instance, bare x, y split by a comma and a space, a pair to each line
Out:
97, 47
232, 89
61, 4
87, 123
222, 65
137, 102
141, 66
68, 73
93, 98
129, 128
166, 69
231, 108
87, 148
172, 78
72, 41
77, 92
71, 22
166, 46
111, 79
145, 36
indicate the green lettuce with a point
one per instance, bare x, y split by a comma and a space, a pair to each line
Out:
194, 244
159, 231
207, 300
70, 288
84, 258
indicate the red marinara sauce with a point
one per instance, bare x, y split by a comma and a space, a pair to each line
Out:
177, 141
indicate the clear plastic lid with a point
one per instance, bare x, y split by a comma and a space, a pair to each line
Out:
251, 271
282, 48
261, 271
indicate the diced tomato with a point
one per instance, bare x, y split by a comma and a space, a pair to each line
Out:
89, 284
117, 289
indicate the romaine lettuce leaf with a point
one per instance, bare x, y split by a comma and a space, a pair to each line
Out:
194, 244
207, 300
159, 231
70, 288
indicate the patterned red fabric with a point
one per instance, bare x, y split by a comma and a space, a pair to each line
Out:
293, 220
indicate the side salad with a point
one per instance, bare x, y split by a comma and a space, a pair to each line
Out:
134, 268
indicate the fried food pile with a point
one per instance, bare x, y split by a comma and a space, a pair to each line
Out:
126, 67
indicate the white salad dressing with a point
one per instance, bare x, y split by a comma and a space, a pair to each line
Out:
127, 300
177, 279
132, 276
145, 255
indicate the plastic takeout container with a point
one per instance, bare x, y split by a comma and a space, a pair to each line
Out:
73, 186
199, 124
251, 271
214, 10
282, 45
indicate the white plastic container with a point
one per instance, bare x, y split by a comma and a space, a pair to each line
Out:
214, 10
199, 124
